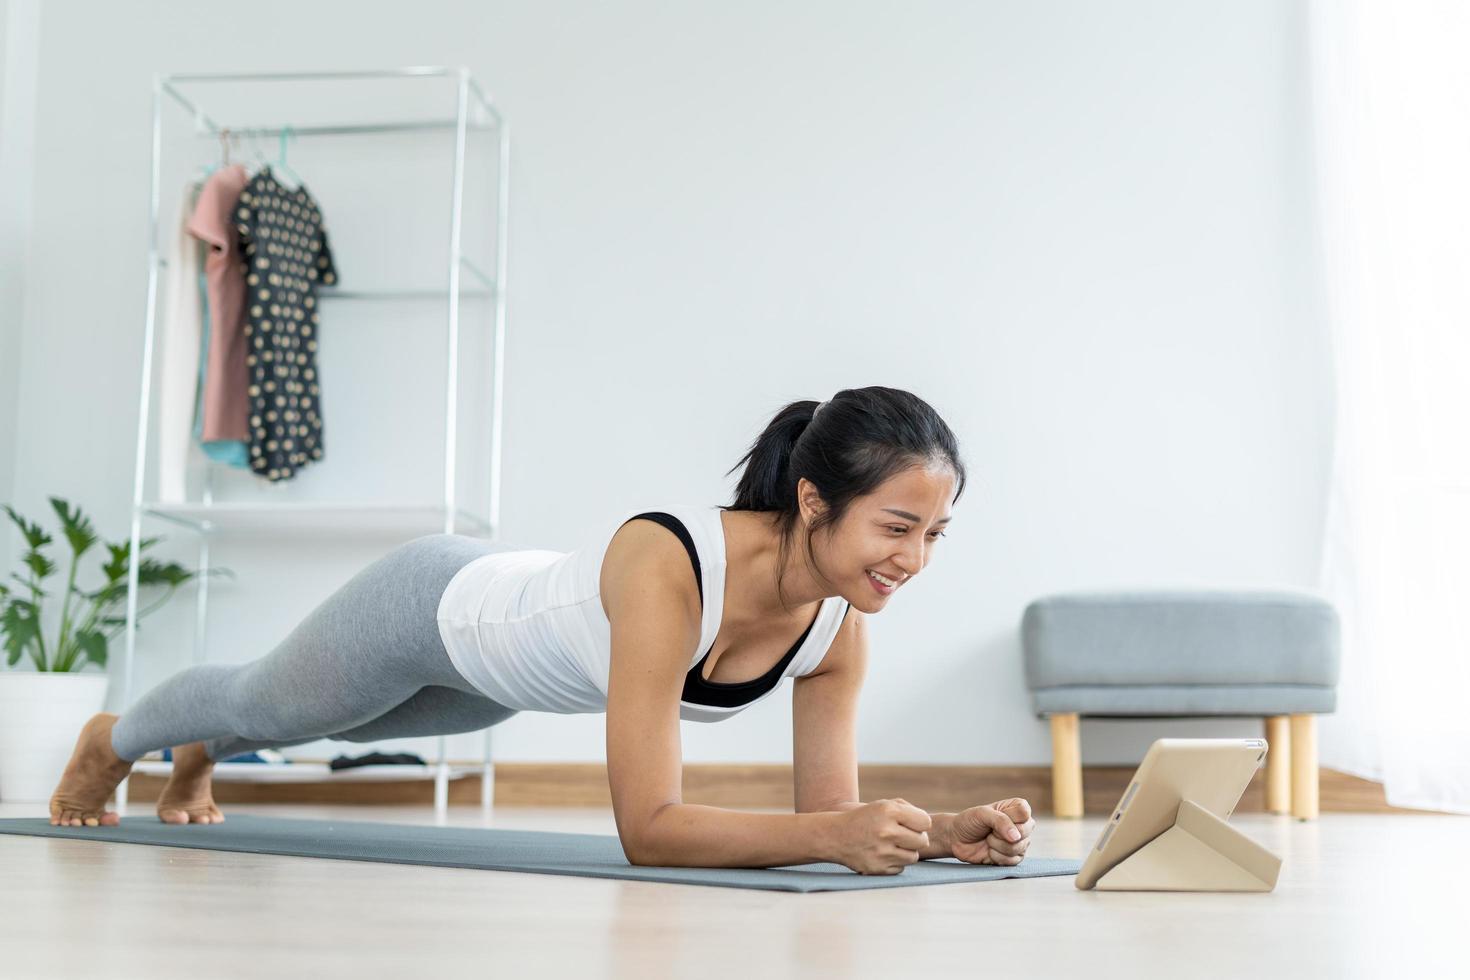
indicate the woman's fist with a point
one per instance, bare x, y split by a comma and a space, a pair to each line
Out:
882, 837
996, 833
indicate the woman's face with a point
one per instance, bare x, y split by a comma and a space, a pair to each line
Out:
891, 532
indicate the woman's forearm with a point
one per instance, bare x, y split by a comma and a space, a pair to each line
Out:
694, 835
939, 846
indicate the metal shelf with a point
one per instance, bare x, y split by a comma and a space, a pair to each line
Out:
312, 772
486, 291
376, 294
308, 517
473, 110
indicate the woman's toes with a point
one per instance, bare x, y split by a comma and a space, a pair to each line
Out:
182, 815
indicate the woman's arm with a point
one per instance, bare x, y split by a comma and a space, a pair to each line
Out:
939, 839
824, 723
693, 835
652, 602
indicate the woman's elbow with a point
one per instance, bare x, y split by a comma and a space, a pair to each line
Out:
640, 840
638, 853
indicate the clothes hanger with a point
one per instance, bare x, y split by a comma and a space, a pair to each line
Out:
224, 147
280, 166
286, 133
257, 156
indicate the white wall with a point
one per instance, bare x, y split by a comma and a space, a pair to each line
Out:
20, 22
1079, 230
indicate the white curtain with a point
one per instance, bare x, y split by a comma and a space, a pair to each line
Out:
1391, 109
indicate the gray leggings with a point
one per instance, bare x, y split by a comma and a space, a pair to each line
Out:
366, 664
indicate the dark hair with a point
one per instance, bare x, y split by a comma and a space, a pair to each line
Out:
861, 437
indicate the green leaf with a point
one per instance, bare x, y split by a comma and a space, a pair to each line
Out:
22, 627
34, 534
75, 525
117, 566
94, 645
112, 592
154, 572
39, 591
117, 592
99, 623
39, 564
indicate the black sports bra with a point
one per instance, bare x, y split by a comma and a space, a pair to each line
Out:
720, 694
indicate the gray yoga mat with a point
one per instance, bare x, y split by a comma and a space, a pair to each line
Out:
535, 851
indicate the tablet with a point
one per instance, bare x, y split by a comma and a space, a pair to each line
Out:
1211, 772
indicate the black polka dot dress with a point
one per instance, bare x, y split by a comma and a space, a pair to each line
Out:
286, 258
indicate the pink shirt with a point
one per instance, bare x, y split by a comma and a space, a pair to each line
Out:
226, 403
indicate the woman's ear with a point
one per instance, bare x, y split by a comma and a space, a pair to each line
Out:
809, 500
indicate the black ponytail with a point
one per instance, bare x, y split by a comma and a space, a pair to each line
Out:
765, 482
860, 438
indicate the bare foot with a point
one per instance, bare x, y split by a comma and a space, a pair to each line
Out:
90, 777
187, 797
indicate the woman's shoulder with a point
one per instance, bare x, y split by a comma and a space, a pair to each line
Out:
641, 552
664, 535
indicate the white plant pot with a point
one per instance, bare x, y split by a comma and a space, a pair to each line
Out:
41, 714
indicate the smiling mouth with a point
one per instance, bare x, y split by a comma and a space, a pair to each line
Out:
883, 588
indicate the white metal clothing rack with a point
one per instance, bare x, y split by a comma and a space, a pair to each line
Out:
473, 110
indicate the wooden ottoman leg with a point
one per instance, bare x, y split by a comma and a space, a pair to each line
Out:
1304, 767
1066, 766
1278, 764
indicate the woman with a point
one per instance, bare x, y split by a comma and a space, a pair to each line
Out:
839, 505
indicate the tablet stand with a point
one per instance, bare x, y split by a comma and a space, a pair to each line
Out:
1199, 853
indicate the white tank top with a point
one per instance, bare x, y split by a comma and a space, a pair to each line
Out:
527, 628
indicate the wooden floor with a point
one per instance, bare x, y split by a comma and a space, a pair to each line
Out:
1360, 895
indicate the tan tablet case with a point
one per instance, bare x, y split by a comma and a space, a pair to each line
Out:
1168, 832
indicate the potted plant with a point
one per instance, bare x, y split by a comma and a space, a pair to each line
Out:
45, 703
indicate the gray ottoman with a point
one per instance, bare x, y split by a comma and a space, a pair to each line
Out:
1271, 655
